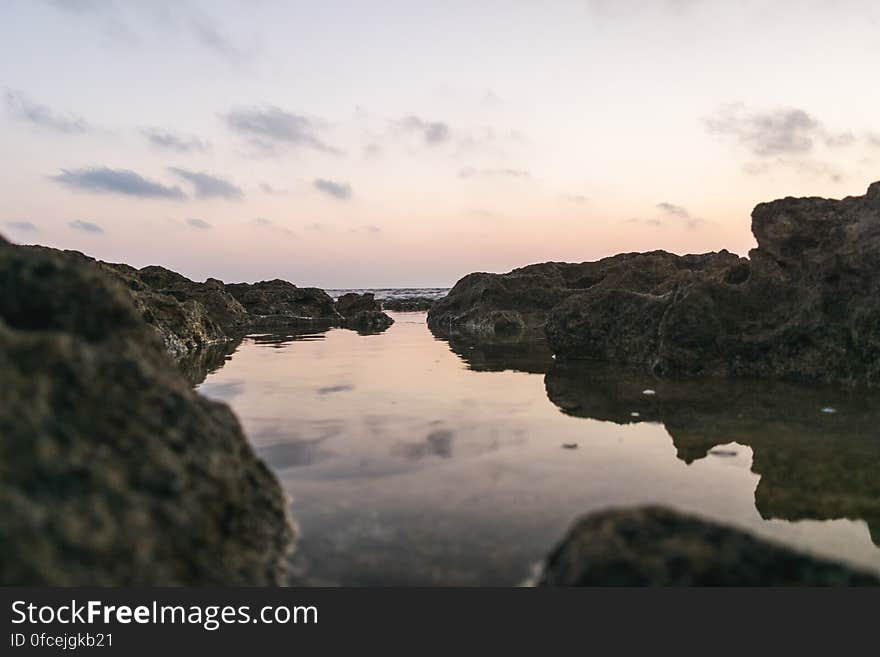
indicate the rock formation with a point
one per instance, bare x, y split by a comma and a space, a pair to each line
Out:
362, 312
190, 316
408, 304
653, 546
805, 305
112, 470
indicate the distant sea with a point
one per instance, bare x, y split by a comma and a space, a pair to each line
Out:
393, 292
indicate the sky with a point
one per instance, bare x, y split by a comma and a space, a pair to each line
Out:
376, 144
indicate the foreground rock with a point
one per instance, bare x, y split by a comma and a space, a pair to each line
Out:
112, 470
653, 546
804, 306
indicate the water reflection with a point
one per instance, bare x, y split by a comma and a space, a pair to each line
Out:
814, 464
413, 460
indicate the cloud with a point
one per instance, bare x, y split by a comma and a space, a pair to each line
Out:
266, 188
810, 168
674, 210
76, 6
209, 35
201, 224
840, 140
690, 221
86, 227
269, 126
23, 226
175, 142
208, 186
338, 190
770, 133
575, 198
470, 172
873, 139
42, 116
433, 132
647, 222
116, 181
268, 224
375, 230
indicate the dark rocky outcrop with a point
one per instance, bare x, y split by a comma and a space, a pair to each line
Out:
191, 316
282, 299
653, 546
805, 305
362, 312
187, 315
112, 470
408, 304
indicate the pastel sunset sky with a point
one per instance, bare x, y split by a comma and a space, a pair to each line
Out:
358, 144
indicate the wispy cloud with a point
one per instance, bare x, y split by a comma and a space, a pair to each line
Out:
432, 132
775, 133
76, 6
804, 167
42, 116
338, 190
85, 227
22, 226
269, 127
769, 133
116, 181
201, 224
271, 190
690, 221
576, 198
268, 224
210, 35
207, 185
470, 172
175, 142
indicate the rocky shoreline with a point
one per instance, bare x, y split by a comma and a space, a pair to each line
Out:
189, 315
805, 304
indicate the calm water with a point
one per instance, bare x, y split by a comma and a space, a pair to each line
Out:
410, 460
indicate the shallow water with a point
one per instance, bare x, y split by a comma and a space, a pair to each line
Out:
413, 460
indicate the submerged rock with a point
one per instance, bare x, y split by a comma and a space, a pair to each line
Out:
805, 305
112, 470
368, 321
652, 546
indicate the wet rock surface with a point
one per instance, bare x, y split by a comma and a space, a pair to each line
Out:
805, 305
362, 312
112, 470
187, 315
653, 546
